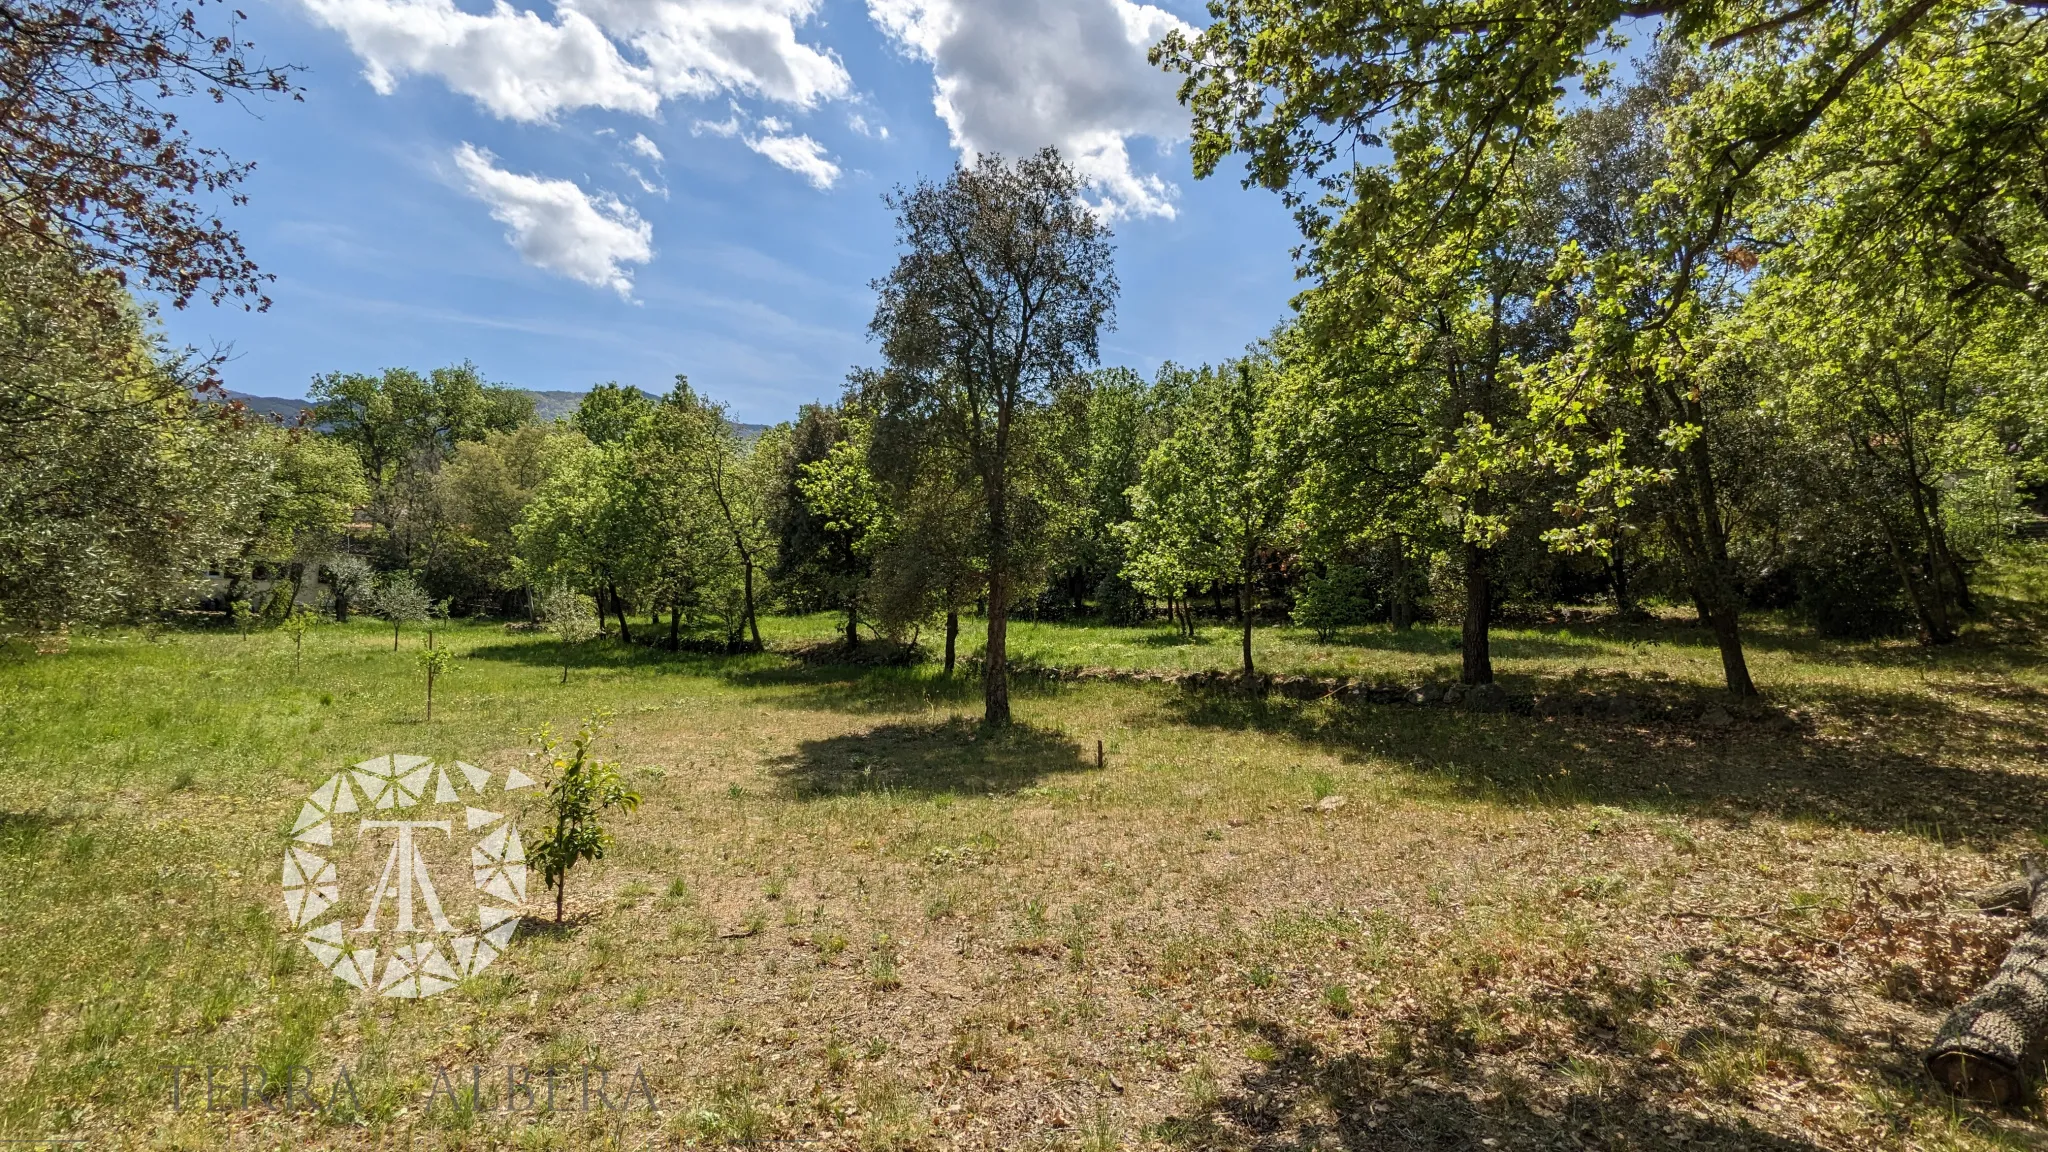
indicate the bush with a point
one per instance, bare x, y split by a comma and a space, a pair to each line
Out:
1340, 595
1853, 594
1119, 600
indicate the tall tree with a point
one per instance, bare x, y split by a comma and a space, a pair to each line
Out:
93, 161
926, 554
118, 487
1398, 122
404, 426
732, 474
996, 303
1214, 496
819, 561
588, 524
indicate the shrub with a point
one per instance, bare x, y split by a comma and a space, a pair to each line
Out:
1340, 595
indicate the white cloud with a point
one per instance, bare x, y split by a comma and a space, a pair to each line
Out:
801, 155
555, 226
1013, 76
522, 67
645, 147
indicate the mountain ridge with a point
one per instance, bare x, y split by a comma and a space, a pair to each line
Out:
548, 405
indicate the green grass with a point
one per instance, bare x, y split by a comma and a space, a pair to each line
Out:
846, 913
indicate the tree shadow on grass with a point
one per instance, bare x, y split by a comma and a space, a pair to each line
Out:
1308, 1095
1917, 768
950, 757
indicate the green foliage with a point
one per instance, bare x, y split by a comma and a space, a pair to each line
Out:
819, 562
1340, 595
399, 599
581, 790
297, 622
481, 495
352, 582
611, 412
435, 662
995, 305
1215, 493
118, 488
568, 614
403, 426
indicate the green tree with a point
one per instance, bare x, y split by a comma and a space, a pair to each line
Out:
696, 572
1361, 408
403, 427
1400, 123
400, 599
925, 552
303, 491
734, 477
842, 490
610, 412
567, 613
1215, 494
436, 663
581, 790
118, 487
350, 580
995, 305
819, 562
483, 493
589, 524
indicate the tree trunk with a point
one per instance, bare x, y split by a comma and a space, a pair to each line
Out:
561, 889
1617, 577
1478, 656
1401, 610
1728, 638
952, 636
1244, 616
1926, 601
675, 627
753, 621
995, 660
1987, 1045
619, 608
298, 581
852, 625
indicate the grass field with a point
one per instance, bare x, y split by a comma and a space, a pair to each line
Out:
846, 916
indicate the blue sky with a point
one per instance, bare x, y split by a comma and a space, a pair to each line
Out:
492, 202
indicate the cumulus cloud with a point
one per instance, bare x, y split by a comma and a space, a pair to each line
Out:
556, 226
1013, 76
800, 154
522, 67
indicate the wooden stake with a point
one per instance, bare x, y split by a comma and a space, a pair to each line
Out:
1098, 754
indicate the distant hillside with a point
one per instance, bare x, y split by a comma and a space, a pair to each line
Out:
546, 406
286, 410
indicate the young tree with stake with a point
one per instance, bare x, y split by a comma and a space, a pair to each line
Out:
436, 662
582, 789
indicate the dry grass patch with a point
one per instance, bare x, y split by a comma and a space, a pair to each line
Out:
847, 916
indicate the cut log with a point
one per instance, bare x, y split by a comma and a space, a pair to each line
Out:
2013, 895
1989, 1044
